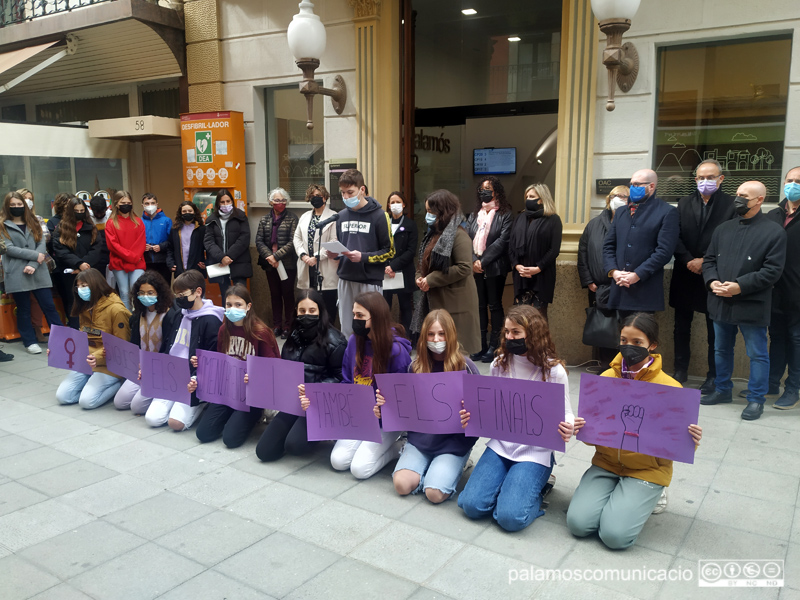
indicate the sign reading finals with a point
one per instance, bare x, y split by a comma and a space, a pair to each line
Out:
515, 410
422, 402
341, 411
220, 379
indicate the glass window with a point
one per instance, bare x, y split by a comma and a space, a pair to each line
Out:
295, 154
50, 176
12, 173
724, 101
93, 174
81, 111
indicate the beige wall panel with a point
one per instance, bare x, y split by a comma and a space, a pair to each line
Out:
207, 96
201, 20
203, 62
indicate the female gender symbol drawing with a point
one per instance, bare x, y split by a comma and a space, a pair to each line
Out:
70, 361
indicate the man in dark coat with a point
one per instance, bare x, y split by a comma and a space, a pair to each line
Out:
784, 326
744, 260
640, 241
699, 214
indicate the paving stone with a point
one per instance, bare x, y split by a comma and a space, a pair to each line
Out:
760, 484
20, 579
379, 496
275, 470
34, 524
174, 470
576, 590
93, 442
111, 495
445, 519
11, 444
167, 437
218, 453
542, 543
424, 593
336, 526
14, 496
708, 540
220, 488
665, 532
12, 408
319, 477
136, 427
31, 419
747, 514
350, 579
106, 416
67, 478
211, 585
132, 455
31, 462
158, 515
758, 456
276, 505
61, 592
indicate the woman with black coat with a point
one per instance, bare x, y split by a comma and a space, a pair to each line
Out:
404, 230
186, 250
534, 246
490, 227
227, 242
77, 246
314, 342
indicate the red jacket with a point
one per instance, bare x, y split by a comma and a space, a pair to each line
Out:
125, 244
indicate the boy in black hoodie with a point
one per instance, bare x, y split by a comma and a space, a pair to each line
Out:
363, 227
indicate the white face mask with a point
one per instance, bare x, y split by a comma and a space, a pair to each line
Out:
150, 210
29, 202
397, 209
437, 347
617, 202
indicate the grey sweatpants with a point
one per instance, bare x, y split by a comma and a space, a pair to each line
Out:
615, 507
348, 290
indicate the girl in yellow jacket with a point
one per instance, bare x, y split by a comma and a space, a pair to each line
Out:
622, 489
99, 310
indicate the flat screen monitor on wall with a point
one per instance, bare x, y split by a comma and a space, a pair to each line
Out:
494, 161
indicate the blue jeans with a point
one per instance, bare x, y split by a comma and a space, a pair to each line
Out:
784, 350
509, 491
44, 297
755, 342
442, 472
125, 281
90, 391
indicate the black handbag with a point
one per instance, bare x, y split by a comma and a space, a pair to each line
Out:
602, 328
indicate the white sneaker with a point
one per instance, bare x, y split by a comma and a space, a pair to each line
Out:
33, 349
661, 505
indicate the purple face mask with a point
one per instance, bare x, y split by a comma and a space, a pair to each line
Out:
226, 208
707, 186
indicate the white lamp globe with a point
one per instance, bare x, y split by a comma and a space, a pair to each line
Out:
306, 33
614, 9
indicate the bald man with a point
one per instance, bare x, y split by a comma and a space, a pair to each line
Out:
744, 260
640, 241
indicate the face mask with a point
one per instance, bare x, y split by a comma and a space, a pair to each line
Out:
150, 210
17, 211
633, 355
352, 202
125, 208
437, 347
792, 191
29, 202
184, 302
638, 193
84, 293
187, 217
707, 186
485, 195
516, 347
360, 327
616, 202
279, 207
79, 216
430, 219
307, 324
234, 315
226, 209
397, 209
532, 205
740, 205
148, 300
317, 201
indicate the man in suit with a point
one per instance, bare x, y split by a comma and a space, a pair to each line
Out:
699, 214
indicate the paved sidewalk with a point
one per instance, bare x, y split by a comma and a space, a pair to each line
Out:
95, 504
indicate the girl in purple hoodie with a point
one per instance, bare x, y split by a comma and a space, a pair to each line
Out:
375, 347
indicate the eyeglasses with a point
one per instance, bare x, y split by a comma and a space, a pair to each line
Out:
149, 294
707, 178
186, 295
640, 184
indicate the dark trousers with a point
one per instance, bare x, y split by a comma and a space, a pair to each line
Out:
683, 338
285, 433
405, 300
64, 283
784, 351
162, 269
226, 283
490, 296
233, 425
44, 296
603, 355
281, 294
329, 297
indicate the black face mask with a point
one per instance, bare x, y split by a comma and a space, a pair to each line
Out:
485, 195
317, 201
184, 302
633, 355
516, 347
360, 327
307, 325
740, 205
533, 205
16, 211
188, 217
125, 208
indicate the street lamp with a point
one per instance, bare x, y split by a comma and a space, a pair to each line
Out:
306, 37
621, 60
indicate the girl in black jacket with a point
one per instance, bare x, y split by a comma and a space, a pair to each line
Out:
321, 348
186, 250
227, 242
77, 246
404, 230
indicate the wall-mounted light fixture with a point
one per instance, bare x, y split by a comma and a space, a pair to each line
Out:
306, 37
621, 60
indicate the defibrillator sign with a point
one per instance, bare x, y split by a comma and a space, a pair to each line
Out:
202, 144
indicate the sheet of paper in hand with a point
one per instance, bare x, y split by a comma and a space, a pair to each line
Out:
342, 411
422, 402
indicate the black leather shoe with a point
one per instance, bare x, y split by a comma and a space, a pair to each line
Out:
752, 411
707, 387
680, 376
479, 355
489, 356
716, 397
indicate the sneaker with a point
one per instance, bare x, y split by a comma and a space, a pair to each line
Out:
468, 465
33, 349
787, 401
661, 505
5, 356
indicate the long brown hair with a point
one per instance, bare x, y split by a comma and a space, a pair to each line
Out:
445, 205
97, 284
541, 349
115, 209
27, 216
178, 223
382, 331
453, 358
69, 221
255, 330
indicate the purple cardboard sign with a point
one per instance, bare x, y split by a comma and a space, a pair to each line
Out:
341, 411
422, 402
165, 377
272, 383
658, 416
68, 349
122, 358
220, 379
515, 410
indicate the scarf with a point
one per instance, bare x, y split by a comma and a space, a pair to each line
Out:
523, 233
485, 218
